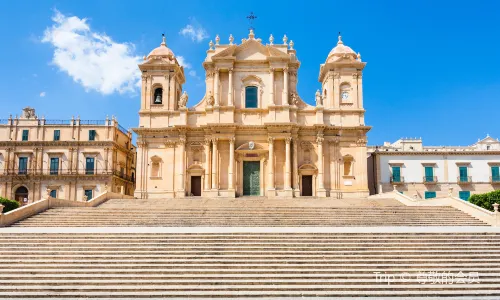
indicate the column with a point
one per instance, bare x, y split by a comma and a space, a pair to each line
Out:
230, 96
214, 164
319, 140
231, 163
285, 88
288, 177
295, 165
216, 88
271, 99
171, 90
182, 164
207, 165
271, 164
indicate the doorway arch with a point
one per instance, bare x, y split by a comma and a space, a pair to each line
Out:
20, 194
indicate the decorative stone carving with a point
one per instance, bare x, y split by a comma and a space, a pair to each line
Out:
231, 39
319, 140
183, 100
28, 113
306, 145
251, 145
288, 140
210, 98
271, 40
318, 99
294, 99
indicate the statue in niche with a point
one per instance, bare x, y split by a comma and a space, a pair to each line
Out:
318, 98
158, 96
210, 98
183, 100
294, 99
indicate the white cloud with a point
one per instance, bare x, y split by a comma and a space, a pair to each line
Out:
42, 94
192, 73
183, 62
194, 31
92, 59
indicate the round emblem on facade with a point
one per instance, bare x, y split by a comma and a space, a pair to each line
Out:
251, 145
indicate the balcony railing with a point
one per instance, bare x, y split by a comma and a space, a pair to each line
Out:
430, 179
464, 179
122, 129
55, 172
92, 122
495, 179
4, 121
397, 180
58, 122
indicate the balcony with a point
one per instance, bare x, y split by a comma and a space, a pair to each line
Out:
396, 180
430, 179
464, 179
495, 179
53, 172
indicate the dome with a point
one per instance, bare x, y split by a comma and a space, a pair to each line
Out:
339, 51
162, 51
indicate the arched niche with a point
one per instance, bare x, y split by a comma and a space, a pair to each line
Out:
348, 165
155, 166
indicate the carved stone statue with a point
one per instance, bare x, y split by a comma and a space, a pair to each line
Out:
28, 113
294, 99
318, 99
210, 98
183, 100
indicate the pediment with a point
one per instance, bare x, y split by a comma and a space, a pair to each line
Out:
488, 140
250, 49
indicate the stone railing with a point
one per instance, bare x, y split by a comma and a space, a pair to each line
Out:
37, 207
489, 217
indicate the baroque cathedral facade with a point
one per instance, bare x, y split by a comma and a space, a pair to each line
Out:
252, 134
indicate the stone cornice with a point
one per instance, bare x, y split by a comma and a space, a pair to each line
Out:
438, 153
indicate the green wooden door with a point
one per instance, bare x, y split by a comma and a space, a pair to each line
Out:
251, 178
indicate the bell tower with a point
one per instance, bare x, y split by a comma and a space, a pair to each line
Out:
162, 80
341, 79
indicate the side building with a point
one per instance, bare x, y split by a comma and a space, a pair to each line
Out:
431, 171
75, 159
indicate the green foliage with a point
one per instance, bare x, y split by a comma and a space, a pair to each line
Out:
486, 200
8, 204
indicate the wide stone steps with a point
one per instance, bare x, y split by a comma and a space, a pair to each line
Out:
122, 213
244, 265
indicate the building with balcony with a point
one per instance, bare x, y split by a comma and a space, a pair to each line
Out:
72, 159
430, 171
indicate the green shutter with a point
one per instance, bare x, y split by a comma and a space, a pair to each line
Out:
54, 166
429, 195
464, 195
396, 174
495, 173
23, 165
429, 174
463, 174
25, 134
57, 135
92, 135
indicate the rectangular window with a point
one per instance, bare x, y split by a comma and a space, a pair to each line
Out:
495, 173
463, 173
430, 195
92, 135
25, 134
396, 174
89, 166
53, 193
57, 135
23, 165
429, 174
88, 193
54, 165
251, 98
464, 195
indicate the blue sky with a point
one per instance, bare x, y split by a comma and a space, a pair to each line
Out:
432, 72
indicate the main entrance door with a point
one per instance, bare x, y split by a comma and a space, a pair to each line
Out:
307, 189
251, 178
196, 185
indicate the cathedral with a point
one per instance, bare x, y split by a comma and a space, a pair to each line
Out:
252, 134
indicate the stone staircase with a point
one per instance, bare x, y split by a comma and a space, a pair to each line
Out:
205, 265
251, 213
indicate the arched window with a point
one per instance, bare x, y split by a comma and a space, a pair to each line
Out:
158, 96
251, 97
345, 93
